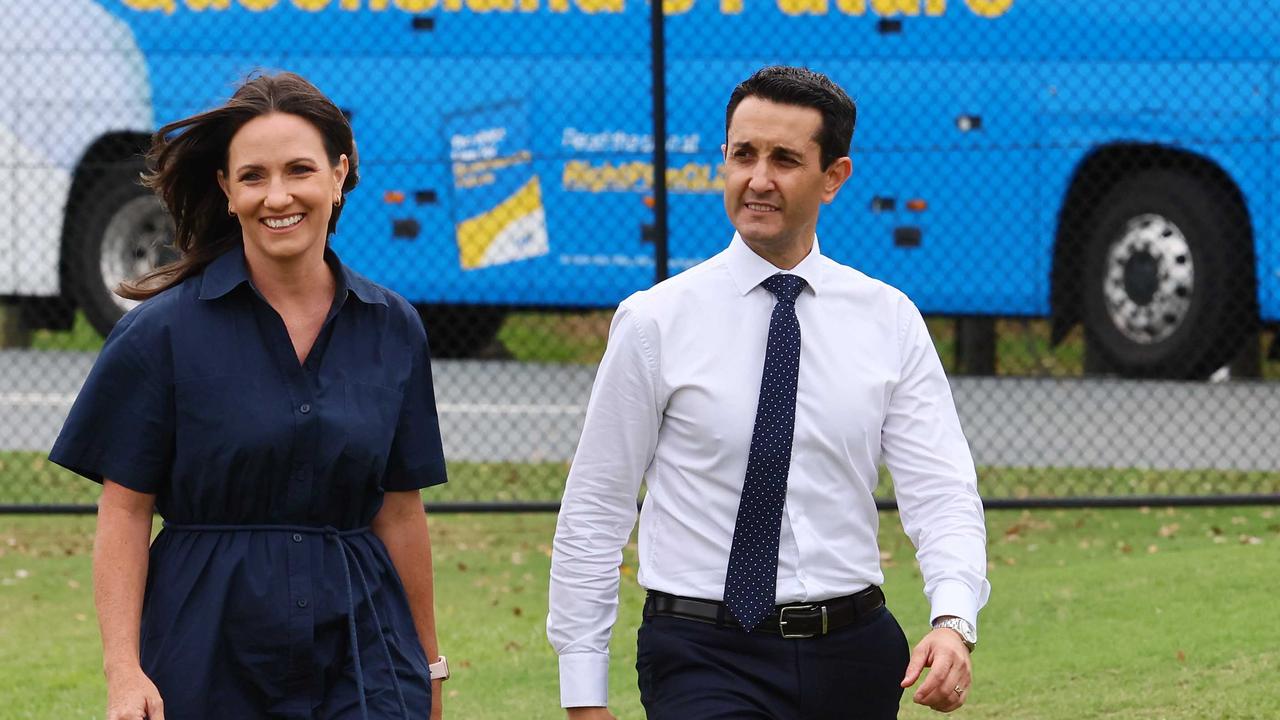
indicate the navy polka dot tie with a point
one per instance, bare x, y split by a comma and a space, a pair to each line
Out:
751, 584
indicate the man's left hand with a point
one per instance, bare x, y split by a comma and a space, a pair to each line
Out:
947, 684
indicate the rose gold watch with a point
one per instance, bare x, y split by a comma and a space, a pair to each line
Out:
439, 669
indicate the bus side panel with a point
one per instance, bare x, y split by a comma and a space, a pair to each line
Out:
572, 156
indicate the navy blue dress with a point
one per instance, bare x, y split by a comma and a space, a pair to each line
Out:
267, 595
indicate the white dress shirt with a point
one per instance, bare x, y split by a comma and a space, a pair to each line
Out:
674, 405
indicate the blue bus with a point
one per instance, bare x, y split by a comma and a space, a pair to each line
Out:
1105, 162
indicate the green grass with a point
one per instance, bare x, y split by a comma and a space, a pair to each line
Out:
29, 478
80, 338
554, 337
1141, 613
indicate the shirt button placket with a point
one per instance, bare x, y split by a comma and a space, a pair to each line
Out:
301, 613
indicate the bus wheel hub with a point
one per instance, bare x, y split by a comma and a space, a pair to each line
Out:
1149, 279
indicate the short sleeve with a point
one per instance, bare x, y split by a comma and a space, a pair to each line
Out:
417, 453
121, 424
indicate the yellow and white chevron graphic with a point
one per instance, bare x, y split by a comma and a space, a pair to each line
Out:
514, 230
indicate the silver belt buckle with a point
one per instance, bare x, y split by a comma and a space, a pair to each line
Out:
782, 621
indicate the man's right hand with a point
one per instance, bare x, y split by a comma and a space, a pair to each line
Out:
132, 696
590, 713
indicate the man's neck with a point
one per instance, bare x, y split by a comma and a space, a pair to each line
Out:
784, 255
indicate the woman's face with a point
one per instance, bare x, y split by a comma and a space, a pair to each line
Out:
282, 188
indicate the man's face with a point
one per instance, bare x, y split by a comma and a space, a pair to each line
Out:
774, 182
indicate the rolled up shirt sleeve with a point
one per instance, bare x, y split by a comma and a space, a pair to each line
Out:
598, 511
934, 478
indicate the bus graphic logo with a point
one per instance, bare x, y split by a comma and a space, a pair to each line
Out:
497, 194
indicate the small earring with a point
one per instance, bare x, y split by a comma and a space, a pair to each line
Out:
338, 202
231, 211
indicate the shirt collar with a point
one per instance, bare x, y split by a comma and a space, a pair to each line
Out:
229, 270
748, 269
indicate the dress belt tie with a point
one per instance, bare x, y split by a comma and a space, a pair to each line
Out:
349, 558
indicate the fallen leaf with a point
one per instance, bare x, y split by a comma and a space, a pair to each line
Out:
1182, 656
1169, 530
1152, 549
462, 567
517, 611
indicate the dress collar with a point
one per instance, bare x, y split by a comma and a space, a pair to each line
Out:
229, 271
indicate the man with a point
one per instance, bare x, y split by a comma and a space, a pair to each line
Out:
756, 394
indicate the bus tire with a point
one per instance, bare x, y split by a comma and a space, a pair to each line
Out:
117, 231
462, 331
1168, 287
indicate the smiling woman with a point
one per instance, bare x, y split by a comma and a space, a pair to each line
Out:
277, 409
279, 120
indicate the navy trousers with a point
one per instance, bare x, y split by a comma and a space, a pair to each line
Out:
689, 670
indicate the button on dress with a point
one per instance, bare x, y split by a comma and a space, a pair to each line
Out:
267, 594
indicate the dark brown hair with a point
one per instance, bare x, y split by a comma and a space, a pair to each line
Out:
186, 155
788, 85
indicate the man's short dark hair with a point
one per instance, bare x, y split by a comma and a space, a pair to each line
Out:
788, 85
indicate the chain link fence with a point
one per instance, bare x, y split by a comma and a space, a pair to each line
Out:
1078, 193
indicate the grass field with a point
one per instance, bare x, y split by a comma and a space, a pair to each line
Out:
1137, 613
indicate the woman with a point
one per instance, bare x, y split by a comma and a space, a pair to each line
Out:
277, 409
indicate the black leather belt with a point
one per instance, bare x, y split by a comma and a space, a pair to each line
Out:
792, 621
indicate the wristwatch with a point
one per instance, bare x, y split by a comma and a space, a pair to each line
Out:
439, 669
968, 633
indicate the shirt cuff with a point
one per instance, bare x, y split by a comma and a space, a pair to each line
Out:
584, 679
954, 598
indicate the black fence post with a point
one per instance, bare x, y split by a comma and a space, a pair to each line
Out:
657, 46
